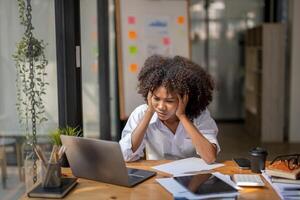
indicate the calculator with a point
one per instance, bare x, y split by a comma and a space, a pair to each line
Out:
252, 180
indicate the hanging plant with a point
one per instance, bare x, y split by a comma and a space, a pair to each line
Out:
30, 65
31, 85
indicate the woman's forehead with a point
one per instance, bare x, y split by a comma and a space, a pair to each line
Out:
162, 91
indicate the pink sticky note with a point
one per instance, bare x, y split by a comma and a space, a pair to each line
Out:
166, 41
94, 20
131, 20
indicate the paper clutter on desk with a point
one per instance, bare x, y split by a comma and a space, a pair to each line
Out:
186, 166
284, 190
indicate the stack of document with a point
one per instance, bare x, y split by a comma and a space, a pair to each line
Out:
191, 166
284, 190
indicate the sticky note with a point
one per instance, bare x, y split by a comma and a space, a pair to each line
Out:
131, 20
95, 50
133, 68
94, 35
94, 19
166, 41
133, 50
180, 20
132, 35
95, 67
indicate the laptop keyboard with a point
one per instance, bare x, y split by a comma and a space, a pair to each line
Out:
133, 178
132, 171
135, 175
138, 175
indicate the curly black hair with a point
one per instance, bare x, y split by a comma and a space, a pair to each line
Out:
179, 75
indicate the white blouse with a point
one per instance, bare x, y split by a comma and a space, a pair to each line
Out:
159, 140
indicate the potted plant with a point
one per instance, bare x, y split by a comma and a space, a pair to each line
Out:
55, 139
31, 85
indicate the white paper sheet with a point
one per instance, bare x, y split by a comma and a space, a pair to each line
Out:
177, 190
186, 166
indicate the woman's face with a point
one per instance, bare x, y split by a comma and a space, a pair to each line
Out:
164, 103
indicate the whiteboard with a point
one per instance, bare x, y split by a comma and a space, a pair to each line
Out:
144, 28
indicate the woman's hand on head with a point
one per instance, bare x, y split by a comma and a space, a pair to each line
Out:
149, 102
182, 102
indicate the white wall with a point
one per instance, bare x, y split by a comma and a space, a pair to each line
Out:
294, 123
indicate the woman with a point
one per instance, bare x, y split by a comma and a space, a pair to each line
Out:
174, 123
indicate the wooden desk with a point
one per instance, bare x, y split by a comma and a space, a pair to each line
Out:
150, 189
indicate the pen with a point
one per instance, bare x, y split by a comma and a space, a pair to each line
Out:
40, 155
61, 152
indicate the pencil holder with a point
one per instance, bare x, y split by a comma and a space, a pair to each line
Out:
51, 175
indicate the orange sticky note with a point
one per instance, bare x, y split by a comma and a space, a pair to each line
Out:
95, 67
133, 68
180, 20
132, 35
94, 35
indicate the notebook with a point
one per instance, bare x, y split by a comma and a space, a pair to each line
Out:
205, 184
66, 187
280, 169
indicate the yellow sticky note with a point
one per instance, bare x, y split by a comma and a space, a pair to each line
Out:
132, 35
180, 20
133, 50
133, 68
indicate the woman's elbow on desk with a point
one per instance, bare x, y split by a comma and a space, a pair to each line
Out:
210, 160
130, 157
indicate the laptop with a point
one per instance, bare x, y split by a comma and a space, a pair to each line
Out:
101, 160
